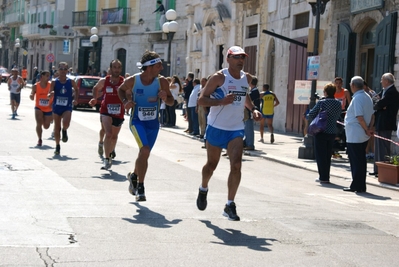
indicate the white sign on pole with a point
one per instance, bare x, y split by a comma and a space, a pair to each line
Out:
313, 67
302, 91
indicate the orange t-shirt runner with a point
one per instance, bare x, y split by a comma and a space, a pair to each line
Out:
42, 102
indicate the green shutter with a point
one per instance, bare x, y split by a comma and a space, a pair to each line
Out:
122, 3
171, 4
92, 13
384, 56
44, 17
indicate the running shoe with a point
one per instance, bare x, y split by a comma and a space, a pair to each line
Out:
100, 149
112, 155
230, 212
13, 116
107, 164
261, 140
201, 199
336, 155
64, 136
40, 142
140, 194
57, 150
272, 138
132, 178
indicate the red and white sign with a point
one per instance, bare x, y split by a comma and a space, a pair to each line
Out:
50, 57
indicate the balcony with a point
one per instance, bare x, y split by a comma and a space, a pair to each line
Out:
44, 31
4, 29
30, 31
14, 19
116, 19
56, 32
84, 20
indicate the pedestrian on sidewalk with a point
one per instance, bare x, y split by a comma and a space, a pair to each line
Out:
226, 95
175, 88
324, 140
358, 124
192, 107
202, 111
142, 93
249, 123
269, 102
187, 92
386, 109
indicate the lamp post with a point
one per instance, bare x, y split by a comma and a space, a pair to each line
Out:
306, 151
93, 40
170, 28
17, 46
318, 8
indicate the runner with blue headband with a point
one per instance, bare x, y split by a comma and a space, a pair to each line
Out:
142, 92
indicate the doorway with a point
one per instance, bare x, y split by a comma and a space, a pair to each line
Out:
367, 51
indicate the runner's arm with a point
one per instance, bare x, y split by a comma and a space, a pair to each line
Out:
213, 83
33, 92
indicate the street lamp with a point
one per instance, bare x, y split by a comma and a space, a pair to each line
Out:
17, 46
170, 28
306, 150
93, 40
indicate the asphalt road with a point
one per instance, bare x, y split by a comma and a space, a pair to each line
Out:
65, 211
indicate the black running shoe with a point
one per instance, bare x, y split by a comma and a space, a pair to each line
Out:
112, 155
64, 136
201, 199
57, 150
230, 212
132, 178
140, 194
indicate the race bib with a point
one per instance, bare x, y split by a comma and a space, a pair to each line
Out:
109, 90
147, 114
43, 102
238, 97
61, 101
114, 109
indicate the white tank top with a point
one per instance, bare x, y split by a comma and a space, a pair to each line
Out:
230, 117
14, 85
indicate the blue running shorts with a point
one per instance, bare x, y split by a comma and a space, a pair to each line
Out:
221, 138
145, 132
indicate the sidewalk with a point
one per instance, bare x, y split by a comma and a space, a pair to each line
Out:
285, 151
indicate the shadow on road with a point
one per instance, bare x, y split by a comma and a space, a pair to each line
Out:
232, 237
112, 175
150, 218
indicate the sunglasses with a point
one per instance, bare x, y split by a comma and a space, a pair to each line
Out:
238, 56
63, 68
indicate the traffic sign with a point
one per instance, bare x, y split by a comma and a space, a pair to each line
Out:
50, 57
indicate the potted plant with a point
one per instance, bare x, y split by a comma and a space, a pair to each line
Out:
388, 171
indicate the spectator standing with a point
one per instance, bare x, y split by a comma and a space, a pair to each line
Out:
192, 107
202, 111
187, 92
35, 75
24, 74
249, 123
161, 10
324, 141
175, 89
358, 124
386, 110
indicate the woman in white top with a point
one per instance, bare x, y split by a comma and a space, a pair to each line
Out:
175, 88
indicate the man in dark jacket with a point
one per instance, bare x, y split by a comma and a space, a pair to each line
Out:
386, 108
187, 92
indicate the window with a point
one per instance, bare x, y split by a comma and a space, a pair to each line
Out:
252, 31
301, 21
